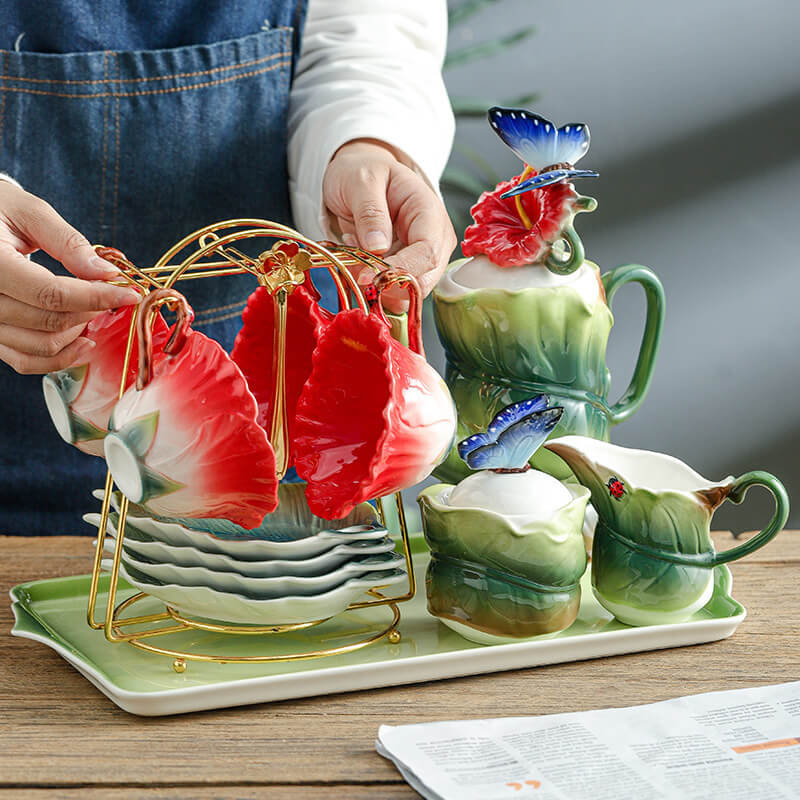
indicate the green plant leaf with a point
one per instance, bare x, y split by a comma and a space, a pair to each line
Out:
476, 108
459, 180
488, 173
486, 49
461, 13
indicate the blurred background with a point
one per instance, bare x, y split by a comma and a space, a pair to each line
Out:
694, 111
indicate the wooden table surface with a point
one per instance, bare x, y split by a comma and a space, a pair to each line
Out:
61, 738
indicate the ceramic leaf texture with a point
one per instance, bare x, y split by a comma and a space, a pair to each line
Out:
495, 338
89, 391
478, 401
549, 552
558, 337
497, 603
674, 521
671, 521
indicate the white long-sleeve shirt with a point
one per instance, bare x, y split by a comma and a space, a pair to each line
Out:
367, 69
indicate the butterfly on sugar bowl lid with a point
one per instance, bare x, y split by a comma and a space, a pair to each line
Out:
507, 549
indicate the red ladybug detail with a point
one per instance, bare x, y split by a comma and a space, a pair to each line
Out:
370, 294
616, 488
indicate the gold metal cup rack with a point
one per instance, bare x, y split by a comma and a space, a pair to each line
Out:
211, 253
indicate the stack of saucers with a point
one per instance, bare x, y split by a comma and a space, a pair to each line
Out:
294, 568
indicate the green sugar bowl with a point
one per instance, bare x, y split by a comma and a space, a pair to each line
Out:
507, 550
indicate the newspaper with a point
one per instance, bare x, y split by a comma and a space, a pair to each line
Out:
733, 745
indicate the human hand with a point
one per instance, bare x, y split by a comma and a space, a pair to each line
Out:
42, 315
383, 206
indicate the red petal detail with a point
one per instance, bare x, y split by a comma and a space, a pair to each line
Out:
207, 437
373, 417
100, 390
289, 249
252, 351
501, 234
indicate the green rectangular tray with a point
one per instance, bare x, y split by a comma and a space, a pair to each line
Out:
54, 613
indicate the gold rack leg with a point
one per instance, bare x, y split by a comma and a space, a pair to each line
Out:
182, 656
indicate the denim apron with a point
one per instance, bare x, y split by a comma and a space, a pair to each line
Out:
139, 122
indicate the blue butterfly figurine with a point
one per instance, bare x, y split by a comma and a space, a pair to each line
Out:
552, 152
512, 437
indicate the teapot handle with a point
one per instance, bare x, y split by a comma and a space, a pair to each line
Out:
144, 328
395, 277
634, 395
736, 494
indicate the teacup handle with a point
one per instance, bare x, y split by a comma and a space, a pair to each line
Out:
634, 395
736, 495
148, 308
395, 277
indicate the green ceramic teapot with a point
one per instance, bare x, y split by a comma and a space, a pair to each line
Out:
525, 313
508, 334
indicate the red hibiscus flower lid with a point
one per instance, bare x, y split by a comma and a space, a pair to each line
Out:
520, 221
520, 230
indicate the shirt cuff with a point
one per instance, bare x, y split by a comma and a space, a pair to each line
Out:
412, 141
9, 179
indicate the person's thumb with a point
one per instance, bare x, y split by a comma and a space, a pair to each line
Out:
371, 216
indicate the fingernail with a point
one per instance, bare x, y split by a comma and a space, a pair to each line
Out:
349, 239
103, 268
124, 297
365, 277
376, 241
86, 347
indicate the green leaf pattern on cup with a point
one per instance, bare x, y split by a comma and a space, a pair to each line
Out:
550, 335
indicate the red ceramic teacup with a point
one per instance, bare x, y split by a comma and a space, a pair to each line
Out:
373, 417
80, 398
184, 442
253, 349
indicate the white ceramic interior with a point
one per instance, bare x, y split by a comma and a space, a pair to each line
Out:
479, 272
640, 469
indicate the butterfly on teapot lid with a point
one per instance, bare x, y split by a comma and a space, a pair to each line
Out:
529, 219
552, 152
512, 437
